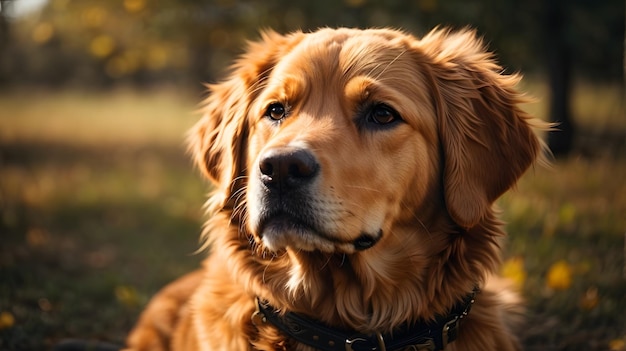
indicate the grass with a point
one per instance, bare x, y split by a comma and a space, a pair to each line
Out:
100, 207
573, 215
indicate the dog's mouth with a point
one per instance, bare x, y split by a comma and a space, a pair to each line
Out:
283, 230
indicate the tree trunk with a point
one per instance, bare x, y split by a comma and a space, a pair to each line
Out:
559, 64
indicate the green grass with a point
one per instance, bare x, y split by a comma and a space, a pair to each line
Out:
100, 206
572, 213
98, 211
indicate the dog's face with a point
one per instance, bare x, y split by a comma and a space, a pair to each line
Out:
341, 144
334, 141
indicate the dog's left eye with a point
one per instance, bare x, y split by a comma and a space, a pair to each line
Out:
276, 111
382, 114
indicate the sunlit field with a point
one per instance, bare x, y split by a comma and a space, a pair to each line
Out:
100, 206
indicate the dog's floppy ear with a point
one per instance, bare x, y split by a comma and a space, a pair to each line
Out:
218, 141
487, 141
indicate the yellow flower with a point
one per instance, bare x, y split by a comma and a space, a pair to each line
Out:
513, 269
559, 276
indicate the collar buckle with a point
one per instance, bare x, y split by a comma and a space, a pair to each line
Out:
352, 341
379, 338
258, 317
450, 331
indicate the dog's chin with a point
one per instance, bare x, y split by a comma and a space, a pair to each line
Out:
283, 232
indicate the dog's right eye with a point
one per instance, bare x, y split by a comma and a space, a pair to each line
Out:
276, 111
378, 116
382, 114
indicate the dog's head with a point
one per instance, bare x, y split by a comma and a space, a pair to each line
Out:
331, 140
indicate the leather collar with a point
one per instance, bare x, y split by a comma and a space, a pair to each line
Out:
431, 335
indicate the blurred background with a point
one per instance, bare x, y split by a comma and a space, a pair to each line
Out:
100, 205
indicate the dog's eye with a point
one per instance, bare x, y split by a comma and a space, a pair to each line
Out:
276, 111
382, 114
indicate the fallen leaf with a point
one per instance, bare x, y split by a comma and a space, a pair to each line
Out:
6, 320
617, 345
590, 299
559, 276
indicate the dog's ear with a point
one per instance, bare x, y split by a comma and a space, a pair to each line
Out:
218, 141
487, 140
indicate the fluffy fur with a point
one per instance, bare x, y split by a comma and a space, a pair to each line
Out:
407, 142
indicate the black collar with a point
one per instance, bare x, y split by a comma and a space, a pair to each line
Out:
432, 335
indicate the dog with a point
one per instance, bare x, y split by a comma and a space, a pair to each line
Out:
355, 176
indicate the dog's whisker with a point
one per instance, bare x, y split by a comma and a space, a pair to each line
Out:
343, 260
259, 87
390, 63
374, 68
261, 83
417, 219
326, 262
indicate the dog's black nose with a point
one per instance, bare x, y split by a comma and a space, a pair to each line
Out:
287, 167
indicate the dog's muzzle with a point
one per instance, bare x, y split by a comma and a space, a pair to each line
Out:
288, 177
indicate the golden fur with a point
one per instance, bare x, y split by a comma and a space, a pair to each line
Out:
422, 185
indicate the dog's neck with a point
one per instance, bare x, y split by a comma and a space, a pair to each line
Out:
371, 291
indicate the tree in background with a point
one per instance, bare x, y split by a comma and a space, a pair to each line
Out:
558, 58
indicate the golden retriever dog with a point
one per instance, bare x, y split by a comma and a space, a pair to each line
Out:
355, 173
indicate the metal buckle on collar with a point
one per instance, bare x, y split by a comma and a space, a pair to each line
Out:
379, 338
450, 331
258, 318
